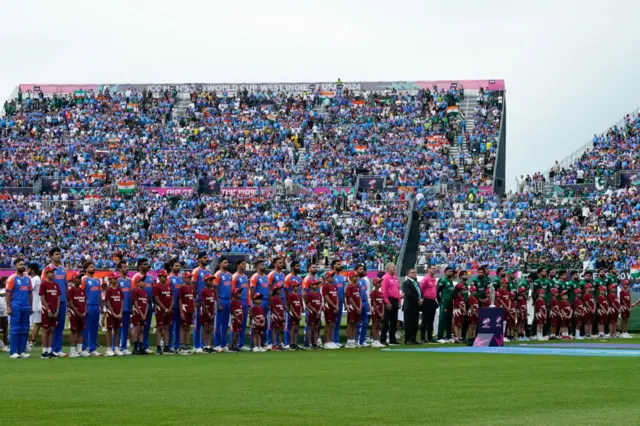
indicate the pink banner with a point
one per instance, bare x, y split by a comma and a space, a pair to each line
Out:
49, 89
333, 190
240, 191
170, 191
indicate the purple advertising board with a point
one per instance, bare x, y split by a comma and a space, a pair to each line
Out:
490, 327
170, 191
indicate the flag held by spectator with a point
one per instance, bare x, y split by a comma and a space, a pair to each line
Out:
126, 187
635, 270
453, 109
132, 107
360, 149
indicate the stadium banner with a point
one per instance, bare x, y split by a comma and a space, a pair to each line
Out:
327, 88
577, 187
5, 192
209, 185
372, 183
629, 178
170, 191
250, 191
490, 327
335, 190
50, 185
82, 192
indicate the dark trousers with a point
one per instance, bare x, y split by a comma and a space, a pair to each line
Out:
411, 318
429, 308
389, 322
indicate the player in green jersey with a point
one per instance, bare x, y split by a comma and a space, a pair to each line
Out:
445, 290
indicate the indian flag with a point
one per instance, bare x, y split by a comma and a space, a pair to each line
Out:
635, 270
126, 187
132, 107
79, 93
360, 149
271, 117
453, 109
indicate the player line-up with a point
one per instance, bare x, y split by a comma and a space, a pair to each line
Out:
197, 303
563, 308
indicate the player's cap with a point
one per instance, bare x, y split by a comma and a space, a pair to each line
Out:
521, 289
625, 282
511, 294
554, 291
74, 275
114, 275
353, 275
257, 296
488, 291
564, 292
329, 274
577, 291
207, 277
473, 288
162, 273
276, 286
49, 268
296, 282
602, 288
540, 291
588, 285
237, 291
612, 286
511, 272
186, 275
460, 286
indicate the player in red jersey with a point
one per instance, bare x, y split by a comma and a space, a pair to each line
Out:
163, 302
589, 310
523, 315
207, 312
330, 296
50, 300
77, 301
541, 315
276, 306
294, 304
353, 301
314, 308
138, 319
258, 323
566, 313
486, 302
237, 319
473, 307
459, 311
554, 314
614, 310
186, 297
377, 312
625, 309
511, 314
603, 310
114, 303
578, 311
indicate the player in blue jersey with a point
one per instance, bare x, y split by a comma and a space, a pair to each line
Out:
18, 296
339, 281
273, 278
363, 325
176, 281
93, 289
289, 282
259, 284
241, 281
124, 282
60, 278
197, 277
222, 281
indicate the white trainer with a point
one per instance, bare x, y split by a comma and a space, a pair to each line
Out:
255, 349
74, 355
118, 352
126, 352
350, 346
148, 351
263, 349
84, 354
95, 353
442, 341
5, 349
199, 351
245, 348
269, 347
61, 354
286, 347
25, 355
217, 348
109, 352
15, 356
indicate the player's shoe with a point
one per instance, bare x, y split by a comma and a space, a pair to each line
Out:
61, 354
148, 351
117, 352
225, 348
53, 355
95, 353
199, 351
369, 340
84, 354
269, 347
169, 351
350, 346
5, 349
109, 352
442, 341
255, 349
74, 355
329, 345
286, 347
158, 351
45, 355
15, 356
245, 348
30, 346
25, 355
365, 344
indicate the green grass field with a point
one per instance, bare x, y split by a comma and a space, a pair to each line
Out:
360, 386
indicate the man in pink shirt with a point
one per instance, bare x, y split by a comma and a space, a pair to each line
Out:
391, 295
428, 287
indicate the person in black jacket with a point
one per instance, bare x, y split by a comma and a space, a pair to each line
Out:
411, 305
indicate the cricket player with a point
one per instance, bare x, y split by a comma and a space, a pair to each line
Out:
147, 284
93, 289
139, 313
114, 298
445, 297
18, 295
237, 318
314, 303
77, 301
163, 302
258, 323
340, 282
277, 316
187, 298
176, 281
259, 284
289, 281
222, 282
36, 314
240, 280
294, 305
276, 277
306, 289
50, 306
331, 307
363, 325
354, 309
60, 278
207, 312
124, 282
197, 277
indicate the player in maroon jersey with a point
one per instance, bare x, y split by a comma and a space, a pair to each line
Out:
566, 313
578, 311
625, 309
276, 306
314, 307
589, 310
554, 314
207, 312
541, 314
258, 323
603, 310
77, 301
511, 313
486, 302
377, 312
294, 303
330, 296
114, 303
163, 302
473, 307
138, 318
459, 311
50, 300
353, 301
521, 307
614, 310
237, 319
186, 297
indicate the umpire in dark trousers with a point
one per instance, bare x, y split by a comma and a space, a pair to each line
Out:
411, 305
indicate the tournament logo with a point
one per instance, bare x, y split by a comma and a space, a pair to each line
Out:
486, 323
498, 321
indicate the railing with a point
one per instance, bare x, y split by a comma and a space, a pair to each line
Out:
406, 238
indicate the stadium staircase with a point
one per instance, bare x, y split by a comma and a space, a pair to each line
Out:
409, 254
302, 161
181, 106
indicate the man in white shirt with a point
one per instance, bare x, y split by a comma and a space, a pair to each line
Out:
36, 314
